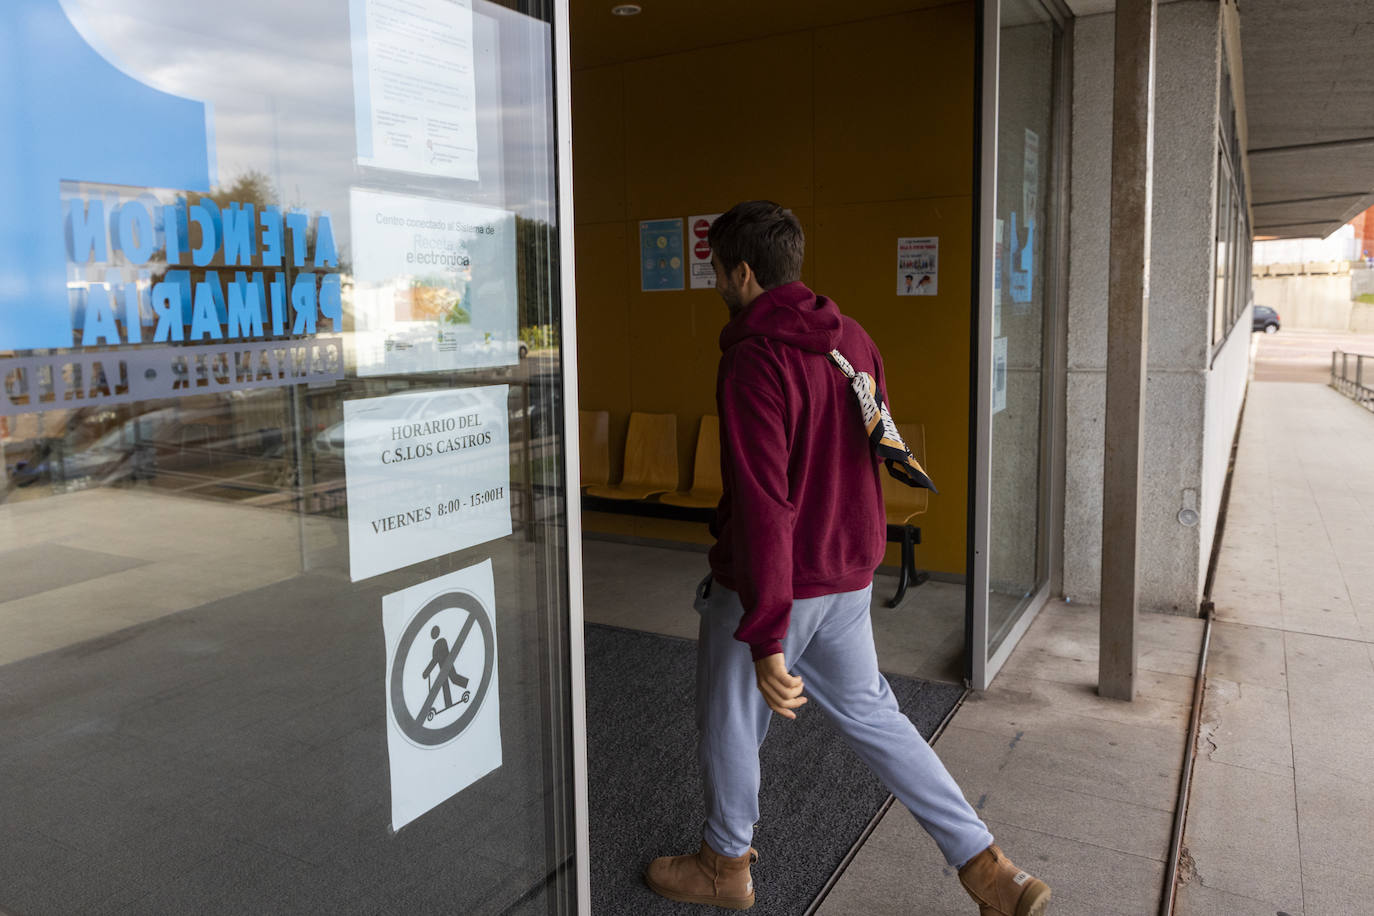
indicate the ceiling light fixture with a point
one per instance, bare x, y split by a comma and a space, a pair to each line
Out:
626, 9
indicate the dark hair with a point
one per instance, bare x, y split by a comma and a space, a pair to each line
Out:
763, 235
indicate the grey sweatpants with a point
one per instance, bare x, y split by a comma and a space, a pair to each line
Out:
829, 645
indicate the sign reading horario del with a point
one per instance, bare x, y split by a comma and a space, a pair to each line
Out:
428, 473
171, 293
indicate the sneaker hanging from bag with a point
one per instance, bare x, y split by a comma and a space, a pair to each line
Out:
882, 432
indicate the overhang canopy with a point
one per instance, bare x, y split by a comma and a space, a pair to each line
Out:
1309, 99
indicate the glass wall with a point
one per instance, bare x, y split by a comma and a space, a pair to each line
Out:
284, 604
1022, 271
1231, 294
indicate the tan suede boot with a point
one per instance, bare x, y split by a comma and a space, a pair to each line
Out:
1002, 889
704, 877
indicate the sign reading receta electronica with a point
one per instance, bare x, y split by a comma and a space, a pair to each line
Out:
434, 284
442, 689
428, 473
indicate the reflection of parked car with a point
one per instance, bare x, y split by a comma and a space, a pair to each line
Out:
170, 438
1266, 320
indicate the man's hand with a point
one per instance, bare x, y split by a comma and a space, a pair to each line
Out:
782, 691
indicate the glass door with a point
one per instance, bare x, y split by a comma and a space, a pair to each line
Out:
1020, 292
287, 601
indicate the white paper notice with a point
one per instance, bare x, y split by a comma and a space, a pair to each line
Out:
918, 266
413, 86
434, 284
427, 473
701, 275
442, 690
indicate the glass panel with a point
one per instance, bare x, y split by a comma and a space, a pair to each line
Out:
283, 586
1219, 308
1025, 221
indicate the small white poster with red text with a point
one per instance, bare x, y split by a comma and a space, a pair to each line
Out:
699, 270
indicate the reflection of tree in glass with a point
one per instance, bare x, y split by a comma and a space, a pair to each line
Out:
537, 272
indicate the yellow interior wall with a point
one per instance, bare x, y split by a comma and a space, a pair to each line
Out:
864, 130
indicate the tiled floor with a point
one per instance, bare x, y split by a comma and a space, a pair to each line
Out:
1282, 809
651, 588
1078, 789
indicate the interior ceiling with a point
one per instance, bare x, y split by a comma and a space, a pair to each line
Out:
671, 26
1309, 97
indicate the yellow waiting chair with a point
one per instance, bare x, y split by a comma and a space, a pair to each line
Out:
594, 446
650, 459
706, 482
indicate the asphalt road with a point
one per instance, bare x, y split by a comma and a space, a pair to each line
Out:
1294, 355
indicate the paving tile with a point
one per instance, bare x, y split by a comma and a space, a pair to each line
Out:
1243, 833
1334, 818
1197, 899
1247, 726
1330, 618
1095, 758
1036, 662
1247, 654
897, 873
1335, 891
1019, 701
1100, 821
1262, 609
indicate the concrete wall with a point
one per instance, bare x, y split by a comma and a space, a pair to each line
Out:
1303, 301
1187, 69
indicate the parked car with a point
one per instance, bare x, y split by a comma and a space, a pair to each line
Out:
1266, 320
167, 439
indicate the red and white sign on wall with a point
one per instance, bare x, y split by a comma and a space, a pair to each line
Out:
699, 252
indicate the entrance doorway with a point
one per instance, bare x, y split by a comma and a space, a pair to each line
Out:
679, 112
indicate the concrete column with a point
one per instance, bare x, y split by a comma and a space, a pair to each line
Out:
1127, 335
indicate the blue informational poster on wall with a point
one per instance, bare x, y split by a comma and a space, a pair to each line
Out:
660, 255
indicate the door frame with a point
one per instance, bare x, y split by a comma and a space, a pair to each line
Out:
981, 667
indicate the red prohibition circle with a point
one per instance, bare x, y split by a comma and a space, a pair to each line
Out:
700, 228
703, 251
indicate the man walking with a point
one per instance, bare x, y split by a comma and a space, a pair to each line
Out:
800, 531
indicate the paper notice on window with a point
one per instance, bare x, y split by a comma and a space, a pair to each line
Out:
434, 284
428, 473
413, 86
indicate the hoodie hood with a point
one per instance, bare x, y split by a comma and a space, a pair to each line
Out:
790, 313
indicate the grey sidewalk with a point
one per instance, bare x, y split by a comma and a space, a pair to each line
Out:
1078, 789
1282, 811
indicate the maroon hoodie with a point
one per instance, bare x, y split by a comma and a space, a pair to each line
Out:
802, 510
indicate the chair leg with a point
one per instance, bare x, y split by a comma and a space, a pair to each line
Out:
910, 575
908, 566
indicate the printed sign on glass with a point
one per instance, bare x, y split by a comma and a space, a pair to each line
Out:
434, 284
428, 473
413, 86
442, 689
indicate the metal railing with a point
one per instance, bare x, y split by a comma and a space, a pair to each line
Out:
1353, 381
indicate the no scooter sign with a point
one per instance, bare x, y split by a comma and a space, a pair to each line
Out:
442, 689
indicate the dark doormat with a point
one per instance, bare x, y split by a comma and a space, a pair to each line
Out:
645, 792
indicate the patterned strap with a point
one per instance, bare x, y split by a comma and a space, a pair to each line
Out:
887, 443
